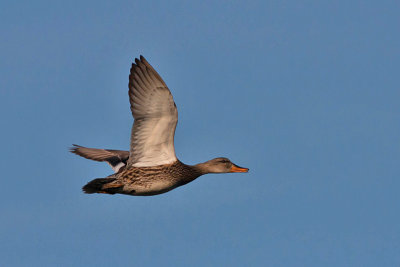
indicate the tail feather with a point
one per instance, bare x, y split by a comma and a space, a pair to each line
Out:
101, 185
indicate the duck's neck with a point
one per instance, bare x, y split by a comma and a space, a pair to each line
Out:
201, 168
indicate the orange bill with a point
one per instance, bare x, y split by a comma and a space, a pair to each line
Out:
236, 168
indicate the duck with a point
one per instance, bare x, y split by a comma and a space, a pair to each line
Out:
150, 167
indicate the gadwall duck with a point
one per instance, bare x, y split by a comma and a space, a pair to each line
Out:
150, 167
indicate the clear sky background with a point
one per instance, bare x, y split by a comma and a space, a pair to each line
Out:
304, 93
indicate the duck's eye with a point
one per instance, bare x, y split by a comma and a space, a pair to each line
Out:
224, 161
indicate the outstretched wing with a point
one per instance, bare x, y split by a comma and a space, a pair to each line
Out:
155, 114
116, 158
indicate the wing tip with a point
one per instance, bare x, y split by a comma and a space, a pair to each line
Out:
141, 59
74, 148
137, 61
77, 150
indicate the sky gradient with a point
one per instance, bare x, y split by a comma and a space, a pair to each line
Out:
304, 93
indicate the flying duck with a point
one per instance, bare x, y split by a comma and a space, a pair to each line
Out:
151, 166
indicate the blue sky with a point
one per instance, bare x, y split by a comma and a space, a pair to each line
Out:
304, 93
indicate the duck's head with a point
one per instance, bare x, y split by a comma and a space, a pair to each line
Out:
220, 165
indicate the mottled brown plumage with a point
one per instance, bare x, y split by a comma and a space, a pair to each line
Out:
150, 167
144, 181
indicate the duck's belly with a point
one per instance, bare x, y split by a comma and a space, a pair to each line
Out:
155, 188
